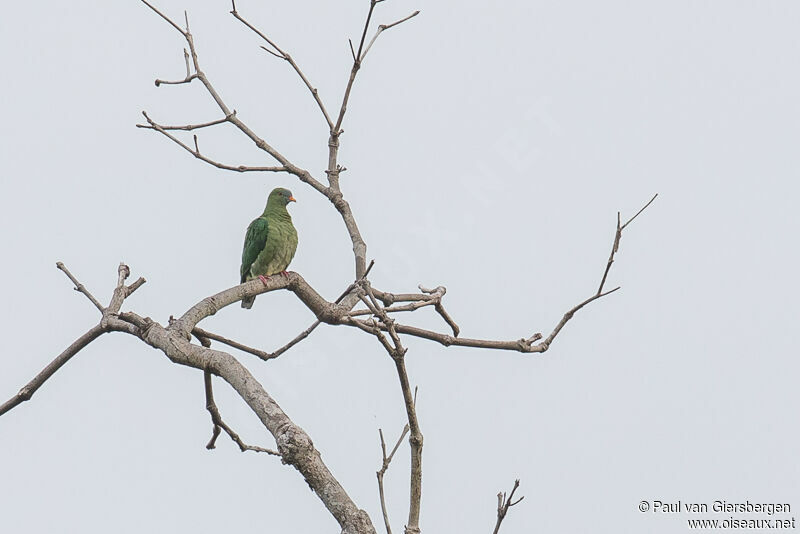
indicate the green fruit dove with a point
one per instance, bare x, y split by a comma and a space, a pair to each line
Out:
270, 242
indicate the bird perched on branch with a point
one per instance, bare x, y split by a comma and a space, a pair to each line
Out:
270, 242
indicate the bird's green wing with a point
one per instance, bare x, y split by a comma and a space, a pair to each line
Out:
254, 243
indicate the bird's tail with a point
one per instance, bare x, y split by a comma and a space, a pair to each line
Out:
247, 302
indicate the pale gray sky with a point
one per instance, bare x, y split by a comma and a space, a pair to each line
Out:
488, 149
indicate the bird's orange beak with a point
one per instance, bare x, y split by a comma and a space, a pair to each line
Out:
292, 199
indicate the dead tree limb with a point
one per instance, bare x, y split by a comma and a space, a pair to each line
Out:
387, 459
504, 503
377, 318
218, 423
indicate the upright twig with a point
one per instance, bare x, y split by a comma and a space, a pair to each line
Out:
617, 238
387, 459
397, 352
504, 503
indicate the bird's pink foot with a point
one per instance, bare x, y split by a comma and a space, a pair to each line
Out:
263, 279
285, 273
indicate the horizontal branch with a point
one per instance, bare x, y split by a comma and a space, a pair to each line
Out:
189, 127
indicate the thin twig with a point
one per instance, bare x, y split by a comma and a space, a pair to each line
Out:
615, 245
372, 5
283, 55
504, 503
286, 165
449, 320
397, 353
159, 82
353, 71
196, 151
387, 459
163, 16
80, 287
412, 306
297, 339
640, 211
189, 127
218, 423
383, 27
305, 333
199, 332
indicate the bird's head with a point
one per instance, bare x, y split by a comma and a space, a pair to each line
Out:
280, 197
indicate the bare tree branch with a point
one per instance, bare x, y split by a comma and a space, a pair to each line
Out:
218, 423
286, 165
416, 301
120, 292
80, 287
617, 238
334, 169
387, 459
504, 503
283, 55
297, 339
187, 127
166, 18
294, 445
107, 324
200, 333
152, 125
397, 352
30, 388
383, 27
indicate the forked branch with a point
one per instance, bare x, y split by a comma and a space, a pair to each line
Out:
230, 116
504, 503
387, 459
218, 423
108, 323
152, 125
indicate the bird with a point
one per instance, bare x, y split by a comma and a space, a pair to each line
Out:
270, 242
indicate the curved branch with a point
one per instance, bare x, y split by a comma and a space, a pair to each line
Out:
294, 445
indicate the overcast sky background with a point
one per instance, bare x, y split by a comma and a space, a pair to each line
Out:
488, 147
